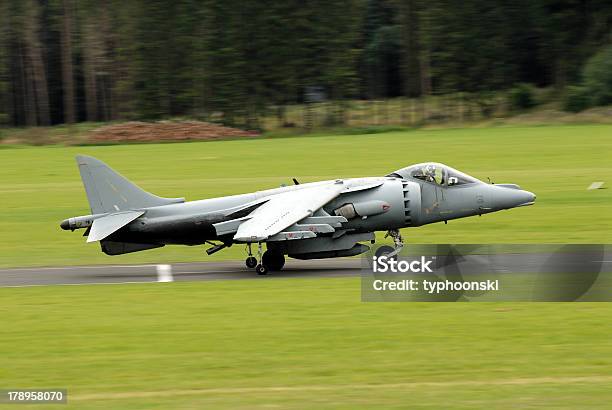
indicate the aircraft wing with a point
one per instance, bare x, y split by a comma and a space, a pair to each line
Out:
286, 209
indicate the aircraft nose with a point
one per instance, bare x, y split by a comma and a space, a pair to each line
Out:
533, 197
525, 198
506, 197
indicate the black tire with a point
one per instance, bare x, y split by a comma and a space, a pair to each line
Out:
261, 269
251, 262
273, 260
384, 250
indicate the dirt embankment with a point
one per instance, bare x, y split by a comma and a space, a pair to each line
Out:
165, 131
92, 133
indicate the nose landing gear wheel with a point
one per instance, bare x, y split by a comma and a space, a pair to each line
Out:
261, 269
273, 260
384, 251
251, 262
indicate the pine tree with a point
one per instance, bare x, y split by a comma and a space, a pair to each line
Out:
67, 65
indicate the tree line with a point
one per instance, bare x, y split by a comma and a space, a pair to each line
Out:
66, 61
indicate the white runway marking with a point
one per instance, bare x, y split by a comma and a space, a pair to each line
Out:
164, 273
595, 185
149, 273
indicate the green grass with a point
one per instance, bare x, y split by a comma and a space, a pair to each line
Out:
299, 343
56, 134
305, 343
40, 186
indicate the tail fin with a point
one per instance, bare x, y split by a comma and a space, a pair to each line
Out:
108, 191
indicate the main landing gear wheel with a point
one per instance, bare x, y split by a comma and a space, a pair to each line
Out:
261, 269
251, 262
273, 260
383, 251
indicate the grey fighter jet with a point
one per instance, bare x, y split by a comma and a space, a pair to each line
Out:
324, 219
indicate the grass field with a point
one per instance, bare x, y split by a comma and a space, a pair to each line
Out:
40, 186
305, 343
299, 343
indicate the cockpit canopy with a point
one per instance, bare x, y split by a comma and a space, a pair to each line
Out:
435, 173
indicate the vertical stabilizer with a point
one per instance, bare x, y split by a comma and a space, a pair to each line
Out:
110, 192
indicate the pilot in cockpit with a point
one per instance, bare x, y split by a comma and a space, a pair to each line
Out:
435, 173
430, 173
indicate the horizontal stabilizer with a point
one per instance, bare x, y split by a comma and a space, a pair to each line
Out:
102, 227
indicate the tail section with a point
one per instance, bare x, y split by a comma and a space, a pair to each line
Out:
110, 192
103, 227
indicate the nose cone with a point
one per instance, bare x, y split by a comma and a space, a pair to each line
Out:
530, 198
506, 198
65, 225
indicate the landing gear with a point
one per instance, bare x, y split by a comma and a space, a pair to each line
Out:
268, 261
251, 261
398, 242
261, 269
384, 251
274, 260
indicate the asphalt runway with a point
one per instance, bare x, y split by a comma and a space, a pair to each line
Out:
115, 274
593, 260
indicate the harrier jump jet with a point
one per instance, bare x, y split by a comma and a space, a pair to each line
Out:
324, 219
